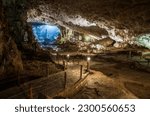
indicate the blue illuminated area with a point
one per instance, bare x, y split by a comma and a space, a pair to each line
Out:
45, 34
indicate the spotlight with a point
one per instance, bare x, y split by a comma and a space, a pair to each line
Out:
88, 63
88, 59
68, 55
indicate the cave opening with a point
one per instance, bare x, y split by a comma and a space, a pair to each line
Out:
47, 35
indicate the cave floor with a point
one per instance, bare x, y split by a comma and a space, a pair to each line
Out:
107, 79
113, 80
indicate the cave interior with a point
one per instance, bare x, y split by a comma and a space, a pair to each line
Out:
82, 49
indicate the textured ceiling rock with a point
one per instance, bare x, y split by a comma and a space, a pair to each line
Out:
122, 19
106, 42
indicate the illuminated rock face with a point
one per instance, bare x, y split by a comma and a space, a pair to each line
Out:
144, 40
46, 34
121, 19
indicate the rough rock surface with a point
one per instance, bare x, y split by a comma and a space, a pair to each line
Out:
13, 26
119, 20
122, 20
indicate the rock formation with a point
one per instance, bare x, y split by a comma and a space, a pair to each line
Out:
111, 23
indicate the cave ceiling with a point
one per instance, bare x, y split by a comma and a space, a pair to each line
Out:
120, 20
